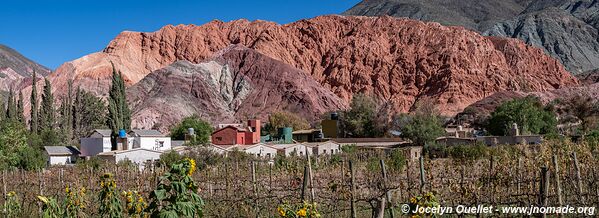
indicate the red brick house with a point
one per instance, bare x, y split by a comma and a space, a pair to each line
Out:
234, 135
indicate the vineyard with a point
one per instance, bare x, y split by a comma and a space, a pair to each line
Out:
555, 173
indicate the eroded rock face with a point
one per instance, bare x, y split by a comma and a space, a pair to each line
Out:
16, 70
237, 84
399, 61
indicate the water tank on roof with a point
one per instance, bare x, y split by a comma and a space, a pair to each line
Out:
122, 134
334, 116
191, 131
286, 134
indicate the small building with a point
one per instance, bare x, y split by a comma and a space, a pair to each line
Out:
259, 150
61, 155
139, 156
150, 140
235, 135
307, 135
291, 149
97, 142
324, 148
373, 143
330, 127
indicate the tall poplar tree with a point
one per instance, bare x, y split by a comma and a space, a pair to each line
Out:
34, 119
21, 109
119, 114
11, 108
66, 112
47, 116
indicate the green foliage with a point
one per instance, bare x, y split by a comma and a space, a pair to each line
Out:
20, 109
49, 137
110, 203
12, 205
34, 121
89, 113
468, 152
423, 126
361, 120
202, 130
397, 160
349, 149
529, 113
282, 119
170, 158
119, 114
50, 207
14, 150
47, 114
66, 115
176, 193
74, 202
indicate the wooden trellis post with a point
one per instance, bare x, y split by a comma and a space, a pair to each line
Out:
353, 189
387, 192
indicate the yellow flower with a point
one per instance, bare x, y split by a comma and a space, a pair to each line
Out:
413, 200
42, 199
12, 193
301, 212
102, 184
192, 167
281, 211
140, 200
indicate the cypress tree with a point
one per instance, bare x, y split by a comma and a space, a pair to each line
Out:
21, 109
34, 120
47, 112
119, 114
89, 112
11, 108
66, 118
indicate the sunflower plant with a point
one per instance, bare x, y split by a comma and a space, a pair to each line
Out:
110, 203
75, 202
176, 194
50, 207
307, 210
12, 205
427, 200
135, 204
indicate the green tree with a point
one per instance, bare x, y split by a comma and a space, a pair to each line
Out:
282, 119
34, 119
14, 151
89, 113
422, 126
47, 115
66, 117
21, 109
362, 120
119, 114
11, 108
529, 113
202, 130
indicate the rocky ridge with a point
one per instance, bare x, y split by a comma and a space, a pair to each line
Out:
399, 61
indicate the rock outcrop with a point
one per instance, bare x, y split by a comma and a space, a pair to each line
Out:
237, 84
565, 29
399, 61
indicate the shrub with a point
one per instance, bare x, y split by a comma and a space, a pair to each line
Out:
468, 152
202, 130
529, 113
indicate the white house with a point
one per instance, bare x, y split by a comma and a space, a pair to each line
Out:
259, 150
324, 148
291, 149
150, 139
138, 156
61, 155
97, 142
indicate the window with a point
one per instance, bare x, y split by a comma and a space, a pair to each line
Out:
332, 151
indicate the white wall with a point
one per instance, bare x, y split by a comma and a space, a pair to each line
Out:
59, 160
150, 143
326, 148
138, 156
262, 151
300, 150
94, 146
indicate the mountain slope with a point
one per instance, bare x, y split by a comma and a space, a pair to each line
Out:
565, 29
237, 84
15, 69
397, 60
476, 15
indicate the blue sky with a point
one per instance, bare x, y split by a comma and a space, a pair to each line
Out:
53, 32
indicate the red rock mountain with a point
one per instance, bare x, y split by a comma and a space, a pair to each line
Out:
237, 84
400, 61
